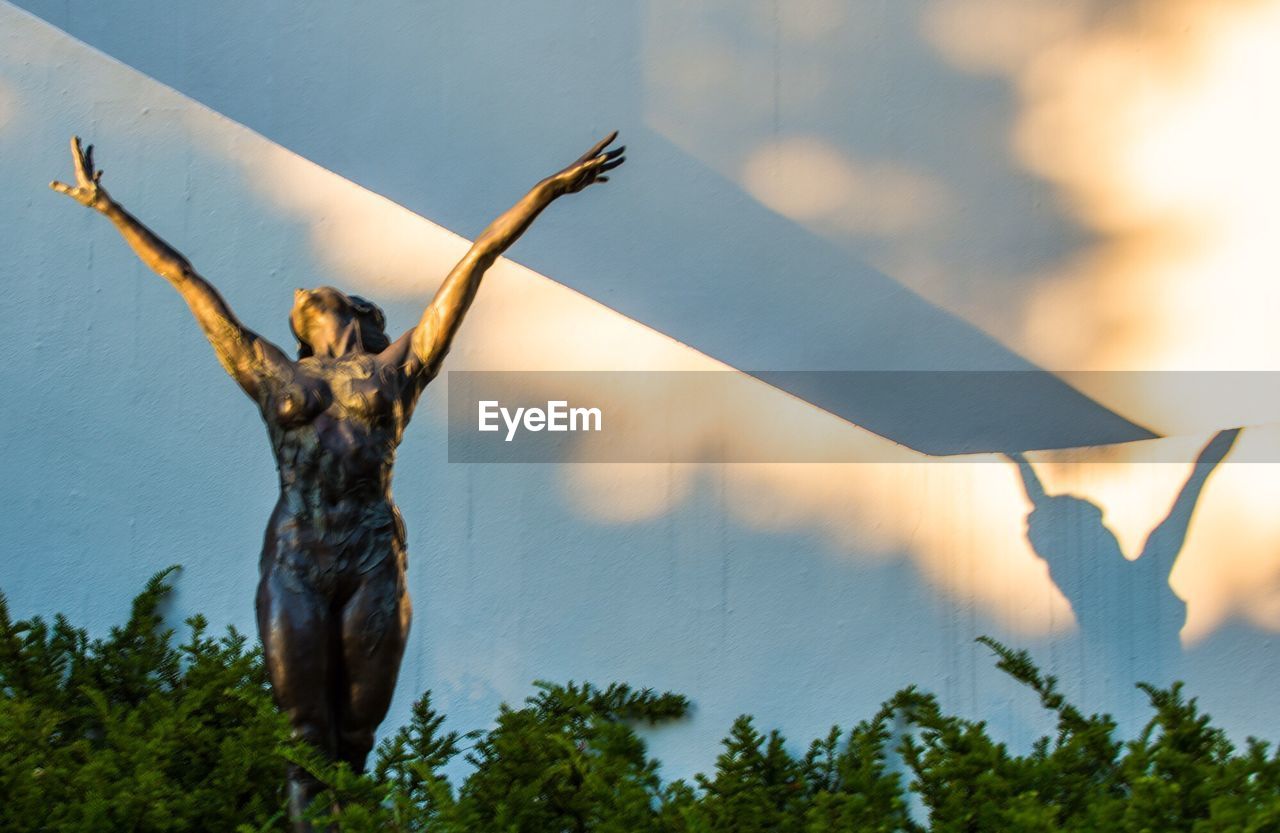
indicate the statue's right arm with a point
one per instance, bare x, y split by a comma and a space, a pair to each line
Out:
249, 358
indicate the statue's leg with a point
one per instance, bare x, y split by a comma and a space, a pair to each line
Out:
296, 628
375, 626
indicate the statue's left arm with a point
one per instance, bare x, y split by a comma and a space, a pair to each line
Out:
420, 351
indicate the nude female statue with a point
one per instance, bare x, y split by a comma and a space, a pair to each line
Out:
332, 608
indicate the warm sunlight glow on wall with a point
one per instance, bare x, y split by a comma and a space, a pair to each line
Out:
813, 182
1162, 133
1158, 124
1155, 121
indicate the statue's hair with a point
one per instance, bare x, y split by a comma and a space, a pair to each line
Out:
369, 318
373, 324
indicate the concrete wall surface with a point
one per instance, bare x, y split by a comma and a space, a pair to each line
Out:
1055, 190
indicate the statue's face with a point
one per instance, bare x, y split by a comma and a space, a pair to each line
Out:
320, 316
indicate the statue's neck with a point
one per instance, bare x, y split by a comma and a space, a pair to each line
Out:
346, 341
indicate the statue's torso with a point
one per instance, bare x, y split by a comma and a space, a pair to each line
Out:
334, 428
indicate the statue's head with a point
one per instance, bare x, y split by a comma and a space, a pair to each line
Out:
329, 322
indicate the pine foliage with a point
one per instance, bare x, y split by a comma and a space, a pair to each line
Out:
137, 732
132, 732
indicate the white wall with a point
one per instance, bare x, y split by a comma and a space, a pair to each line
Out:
818, 185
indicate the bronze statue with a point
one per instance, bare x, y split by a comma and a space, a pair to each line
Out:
332, 608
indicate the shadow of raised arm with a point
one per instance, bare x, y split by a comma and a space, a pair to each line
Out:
1030, 480
1165, 542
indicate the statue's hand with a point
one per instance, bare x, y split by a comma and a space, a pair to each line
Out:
86, 191
588, 168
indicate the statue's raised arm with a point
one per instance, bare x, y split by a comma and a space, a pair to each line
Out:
421, 350
247, 356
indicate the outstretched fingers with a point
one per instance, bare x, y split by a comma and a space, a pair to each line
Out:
605, 162
85, 188
588, 168
77, 162
82, 157
599, 146
78, 159
90, 168
612, 159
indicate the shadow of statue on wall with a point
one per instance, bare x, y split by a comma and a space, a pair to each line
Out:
1129, 618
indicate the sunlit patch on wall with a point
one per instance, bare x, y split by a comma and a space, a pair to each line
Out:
812, 181
1155, 123
1161, 135
717, 86
802, 106
1000, 36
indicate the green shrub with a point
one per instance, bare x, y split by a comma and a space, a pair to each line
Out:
131, 732
134, 733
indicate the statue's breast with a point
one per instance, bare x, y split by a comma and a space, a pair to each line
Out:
345, 389
356, 389
299, 401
